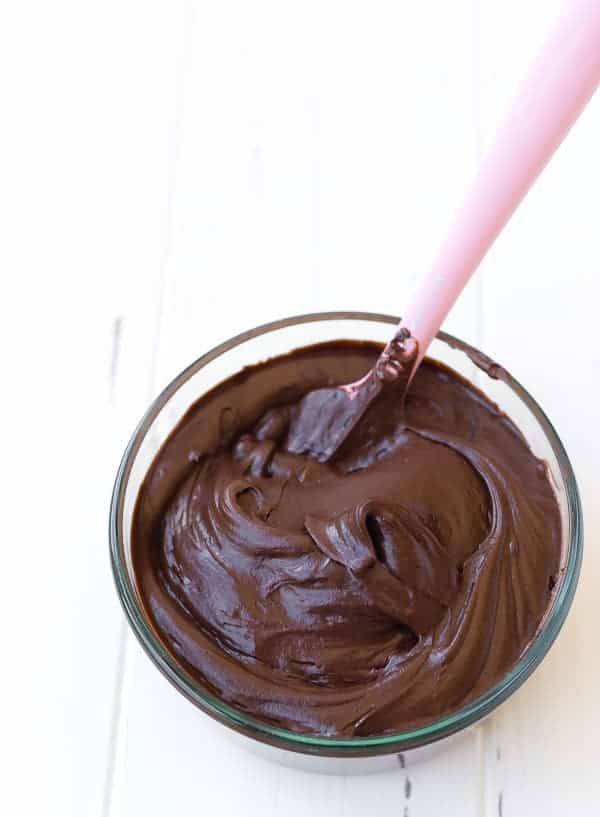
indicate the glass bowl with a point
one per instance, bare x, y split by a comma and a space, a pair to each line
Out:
277, 338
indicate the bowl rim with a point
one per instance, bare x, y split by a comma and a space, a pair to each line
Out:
432, 731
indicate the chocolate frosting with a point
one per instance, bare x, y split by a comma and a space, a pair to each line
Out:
358, 596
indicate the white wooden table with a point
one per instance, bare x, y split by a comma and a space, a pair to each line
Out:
163, 161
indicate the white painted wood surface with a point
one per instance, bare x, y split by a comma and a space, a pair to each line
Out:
158, 157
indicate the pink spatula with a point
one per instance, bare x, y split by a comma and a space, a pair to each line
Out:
558, 86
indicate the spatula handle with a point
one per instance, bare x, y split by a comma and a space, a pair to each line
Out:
559, 84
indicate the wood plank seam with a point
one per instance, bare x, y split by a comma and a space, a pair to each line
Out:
117, 727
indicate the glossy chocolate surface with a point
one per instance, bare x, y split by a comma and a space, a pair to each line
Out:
358, 596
